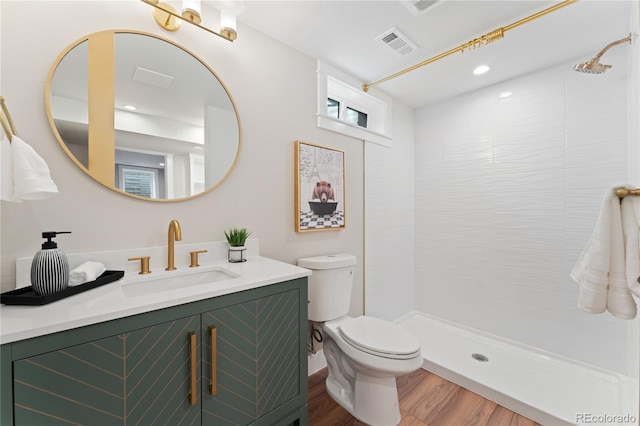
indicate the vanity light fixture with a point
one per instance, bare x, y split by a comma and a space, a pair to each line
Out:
169, 19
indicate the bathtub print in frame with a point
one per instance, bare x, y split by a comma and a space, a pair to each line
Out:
319, 188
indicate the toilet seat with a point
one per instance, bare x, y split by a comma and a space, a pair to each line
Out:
380, 338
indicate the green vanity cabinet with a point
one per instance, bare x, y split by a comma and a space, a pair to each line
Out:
142, 369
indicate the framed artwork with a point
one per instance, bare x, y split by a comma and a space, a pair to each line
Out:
319, 187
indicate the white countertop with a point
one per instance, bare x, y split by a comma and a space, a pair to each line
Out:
126, 297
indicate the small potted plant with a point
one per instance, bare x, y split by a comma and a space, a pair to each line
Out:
236, 239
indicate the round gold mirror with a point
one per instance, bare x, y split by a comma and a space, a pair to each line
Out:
143, 116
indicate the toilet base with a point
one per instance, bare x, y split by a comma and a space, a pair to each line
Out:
375, 399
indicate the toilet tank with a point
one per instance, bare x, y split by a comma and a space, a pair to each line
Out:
329, 285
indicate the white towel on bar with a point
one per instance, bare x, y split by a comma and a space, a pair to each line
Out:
631, 228
31, 177
601, 269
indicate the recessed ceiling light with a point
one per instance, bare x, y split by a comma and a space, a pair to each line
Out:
481, 69
130, 107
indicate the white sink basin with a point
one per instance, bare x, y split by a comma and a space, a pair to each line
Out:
175, 280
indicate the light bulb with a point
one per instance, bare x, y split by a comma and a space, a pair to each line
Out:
191, 11
228, 25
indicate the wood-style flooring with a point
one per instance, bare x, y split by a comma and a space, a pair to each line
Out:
425, 399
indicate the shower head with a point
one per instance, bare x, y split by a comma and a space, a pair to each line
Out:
591, 67
594, 66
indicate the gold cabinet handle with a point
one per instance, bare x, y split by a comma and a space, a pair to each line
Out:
144, 264
194, 371
214, 365
194, 258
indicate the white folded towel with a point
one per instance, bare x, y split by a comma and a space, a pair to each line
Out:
631, 228
600, 270
31, 177
86, 272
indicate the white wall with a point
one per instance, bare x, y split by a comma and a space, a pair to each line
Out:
508, 192
389, 221
258, 194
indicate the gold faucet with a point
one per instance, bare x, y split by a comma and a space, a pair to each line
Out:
175, 234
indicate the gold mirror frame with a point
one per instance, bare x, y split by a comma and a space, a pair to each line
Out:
102, 112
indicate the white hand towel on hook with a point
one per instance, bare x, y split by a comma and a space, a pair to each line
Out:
631, 227
600, 270
31, 177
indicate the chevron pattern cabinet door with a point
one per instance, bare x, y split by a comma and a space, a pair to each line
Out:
79, 385
257, 358
158, 374
278, 350
141, 377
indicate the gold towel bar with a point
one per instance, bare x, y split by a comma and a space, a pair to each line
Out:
623, 192
6, 121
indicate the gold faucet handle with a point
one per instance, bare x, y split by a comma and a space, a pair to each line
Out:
194, 258
144, 264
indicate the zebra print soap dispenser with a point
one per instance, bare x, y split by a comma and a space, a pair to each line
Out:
50, 267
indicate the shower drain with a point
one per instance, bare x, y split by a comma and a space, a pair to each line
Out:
480, 357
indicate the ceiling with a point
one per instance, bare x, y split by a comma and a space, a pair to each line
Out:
343, 33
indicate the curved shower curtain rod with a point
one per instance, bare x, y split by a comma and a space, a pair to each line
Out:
490, 37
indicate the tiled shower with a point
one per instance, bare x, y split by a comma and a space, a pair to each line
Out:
507, 186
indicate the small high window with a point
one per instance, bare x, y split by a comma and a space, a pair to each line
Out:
345, 108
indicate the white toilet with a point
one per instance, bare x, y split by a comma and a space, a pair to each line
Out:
364, 354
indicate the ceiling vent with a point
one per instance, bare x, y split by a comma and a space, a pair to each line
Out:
419, 7
397, 41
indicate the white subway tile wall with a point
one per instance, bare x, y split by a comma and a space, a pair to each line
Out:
507, 194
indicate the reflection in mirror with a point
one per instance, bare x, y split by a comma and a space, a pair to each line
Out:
143, 116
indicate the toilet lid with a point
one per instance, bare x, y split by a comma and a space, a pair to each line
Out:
379, 337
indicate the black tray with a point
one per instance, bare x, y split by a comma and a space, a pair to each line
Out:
27, 296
